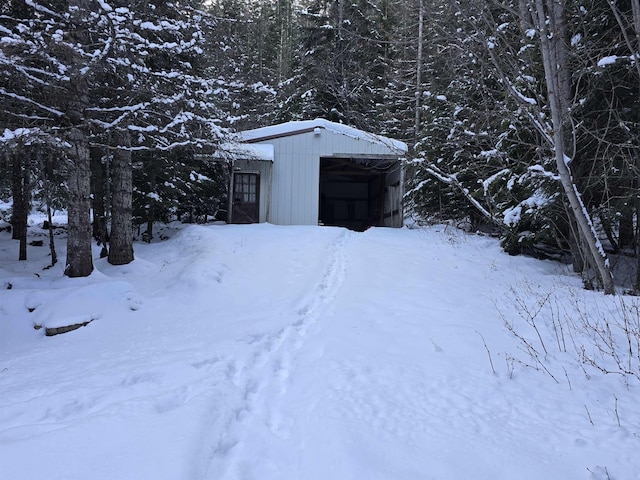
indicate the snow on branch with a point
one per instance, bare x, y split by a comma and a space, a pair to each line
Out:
114, 123
611, 59
539, 169
125, 112
146, 129
486, 184
607, 60
22, 98
162, 26
513, 215
9, 135
41, 8
517, 93
162, 147
30, 136
417, 188
452, 180
124, 108
105, 6
30, 73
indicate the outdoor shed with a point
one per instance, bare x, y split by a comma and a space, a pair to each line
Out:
318, 172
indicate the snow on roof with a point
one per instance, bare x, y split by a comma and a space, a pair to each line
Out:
246, 151
295, 128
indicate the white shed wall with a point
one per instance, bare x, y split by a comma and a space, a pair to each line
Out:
296, 171
296, 179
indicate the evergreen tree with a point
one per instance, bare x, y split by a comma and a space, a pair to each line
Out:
140, 89
243, 43
342, 64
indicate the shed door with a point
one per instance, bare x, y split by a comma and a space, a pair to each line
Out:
246, 198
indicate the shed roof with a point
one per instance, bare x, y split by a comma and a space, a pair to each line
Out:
306, 126
245, 151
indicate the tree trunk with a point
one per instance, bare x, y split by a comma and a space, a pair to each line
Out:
578, 261
637, 282
121, 240
230, 191
98, 203
147, 236
635, 8
625, 230
79, 256
555, 72
418, 106
52, 244
46, 162
19, 209
284, 14
26, 206
21, 192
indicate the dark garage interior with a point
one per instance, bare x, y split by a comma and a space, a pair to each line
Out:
353, 191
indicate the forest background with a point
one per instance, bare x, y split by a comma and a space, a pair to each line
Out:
522, 116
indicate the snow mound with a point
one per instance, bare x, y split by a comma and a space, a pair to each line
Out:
69, 306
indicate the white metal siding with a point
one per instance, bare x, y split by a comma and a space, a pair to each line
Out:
337, 145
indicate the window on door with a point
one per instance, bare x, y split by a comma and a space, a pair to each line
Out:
246, 188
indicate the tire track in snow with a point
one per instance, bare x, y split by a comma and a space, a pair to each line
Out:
262, 377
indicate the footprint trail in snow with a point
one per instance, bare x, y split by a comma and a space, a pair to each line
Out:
263, 375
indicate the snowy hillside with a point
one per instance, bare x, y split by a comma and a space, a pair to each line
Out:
307, 353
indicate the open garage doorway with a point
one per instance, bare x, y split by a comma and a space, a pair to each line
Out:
359, 193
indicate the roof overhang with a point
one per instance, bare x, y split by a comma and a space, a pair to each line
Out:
245, 151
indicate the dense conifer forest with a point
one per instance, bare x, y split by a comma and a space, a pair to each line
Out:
522, 116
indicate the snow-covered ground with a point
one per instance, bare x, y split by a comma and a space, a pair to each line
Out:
302, 353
